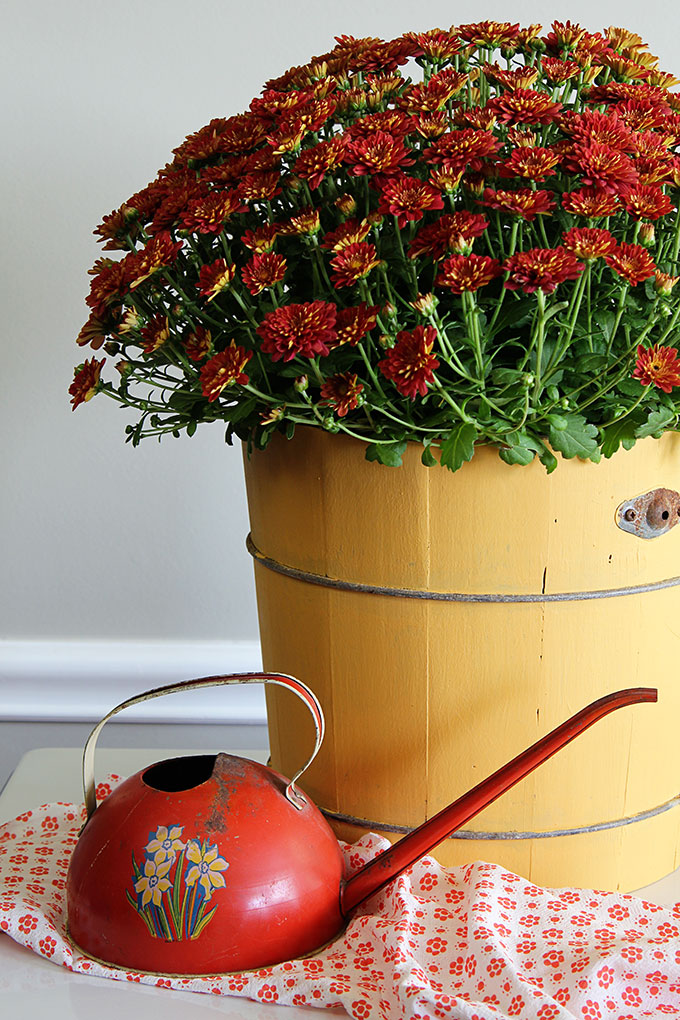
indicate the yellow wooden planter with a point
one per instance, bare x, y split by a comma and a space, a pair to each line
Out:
426, 696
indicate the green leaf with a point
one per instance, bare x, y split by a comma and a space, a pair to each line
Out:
428, 458
620, 433
386, 453
547, 459
606, 322
517, 455
558, 421
458, 446
657, 422
578, 439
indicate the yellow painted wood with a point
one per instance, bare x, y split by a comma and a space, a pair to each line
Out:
424, 699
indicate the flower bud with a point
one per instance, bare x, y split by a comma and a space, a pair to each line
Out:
664, 283
646, 234
425, 304
528, 380
346, 204
330, 424
272, 415
386, 342
389, 311
301, 384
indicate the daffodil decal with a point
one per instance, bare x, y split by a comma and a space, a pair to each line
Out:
166, 843
207, 867
153, 882
174, 882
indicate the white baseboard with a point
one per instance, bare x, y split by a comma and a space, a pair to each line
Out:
80, 681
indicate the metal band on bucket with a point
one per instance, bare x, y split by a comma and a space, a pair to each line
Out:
450, 596
641, 816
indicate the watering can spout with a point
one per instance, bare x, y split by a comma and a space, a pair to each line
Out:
392, 862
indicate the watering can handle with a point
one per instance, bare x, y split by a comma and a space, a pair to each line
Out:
280, 679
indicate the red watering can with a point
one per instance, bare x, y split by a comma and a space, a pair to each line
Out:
214, 863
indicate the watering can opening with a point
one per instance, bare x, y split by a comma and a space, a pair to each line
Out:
177, 774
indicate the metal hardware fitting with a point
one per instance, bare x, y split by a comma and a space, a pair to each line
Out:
651, 514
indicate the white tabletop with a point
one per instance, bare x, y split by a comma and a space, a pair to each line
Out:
32, 987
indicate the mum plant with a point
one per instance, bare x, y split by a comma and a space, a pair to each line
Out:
455, 237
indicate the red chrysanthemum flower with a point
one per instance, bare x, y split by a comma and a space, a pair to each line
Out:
350, 232
314, 163
592, 126
564, 36
650, 145
408, 199
601, 166
467, 272
541, 268
559, 71
589, 242
353, 263
490, 34
533, 163
109, 285
446, 179
302, 330
307, 221
159, 252
94, 333
410, 364
428, 97
436, 44
342, 392
353, 323
520, 78
432, 125
522, 202
213, 278
451, 233
288, 135
155, 333
658, 366
632, 262
392, 122
198, 343
114, 228
262, 239
642, 115
263, 271
462, 148
260, 187
224, 369
85, 381
525, 106
479, 117
590, 203
378, 154
646, 202
176, 201
208, 215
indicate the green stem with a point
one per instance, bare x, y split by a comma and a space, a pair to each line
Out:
540, 336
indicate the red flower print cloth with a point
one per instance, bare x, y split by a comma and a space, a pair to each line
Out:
473, 943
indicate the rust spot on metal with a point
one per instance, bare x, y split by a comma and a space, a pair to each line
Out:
228, 773
651, 514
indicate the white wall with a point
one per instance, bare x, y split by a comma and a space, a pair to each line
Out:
101, 541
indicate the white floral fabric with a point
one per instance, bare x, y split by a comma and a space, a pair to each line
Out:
473, 943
